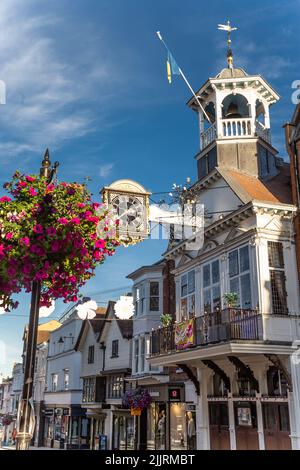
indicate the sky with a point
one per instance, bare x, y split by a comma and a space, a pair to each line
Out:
87, 79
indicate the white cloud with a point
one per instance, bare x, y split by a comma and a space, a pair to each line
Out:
51, 96
105, 170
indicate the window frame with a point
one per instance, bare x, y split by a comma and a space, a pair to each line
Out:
114, 348
91, 354
154, 296
210, 287
187, 295
239, 276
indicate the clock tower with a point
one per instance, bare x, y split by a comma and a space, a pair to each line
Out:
234, 123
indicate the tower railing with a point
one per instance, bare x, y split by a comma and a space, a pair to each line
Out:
232, 128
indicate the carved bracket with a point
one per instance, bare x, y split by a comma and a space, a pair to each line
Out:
276, 361
245, 370
213, 366
191, 376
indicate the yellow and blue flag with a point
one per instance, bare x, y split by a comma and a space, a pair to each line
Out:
172, 67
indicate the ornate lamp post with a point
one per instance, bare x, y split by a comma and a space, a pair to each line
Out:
26, 416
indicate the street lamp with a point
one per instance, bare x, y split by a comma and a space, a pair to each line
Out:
26, 416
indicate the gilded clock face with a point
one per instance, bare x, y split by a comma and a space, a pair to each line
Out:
130, 211
128, 201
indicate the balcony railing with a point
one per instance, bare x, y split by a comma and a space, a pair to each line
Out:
238, 127
221, 326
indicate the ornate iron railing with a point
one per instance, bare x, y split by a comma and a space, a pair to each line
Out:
222, 326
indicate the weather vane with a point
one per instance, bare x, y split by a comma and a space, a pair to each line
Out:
227, 27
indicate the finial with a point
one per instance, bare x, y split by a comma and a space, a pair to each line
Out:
227, 27
45, 170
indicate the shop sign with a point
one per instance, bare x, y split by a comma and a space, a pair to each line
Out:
154, 394
66, 412
49, 412
184, 335
174, 394
244, 416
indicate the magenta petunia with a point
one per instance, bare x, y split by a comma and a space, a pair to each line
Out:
38, 228
32, 192
5, 199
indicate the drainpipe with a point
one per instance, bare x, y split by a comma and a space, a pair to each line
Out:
103, 347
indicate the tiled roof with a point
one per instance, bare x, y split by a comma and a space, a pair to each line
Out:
249, 188
45, 329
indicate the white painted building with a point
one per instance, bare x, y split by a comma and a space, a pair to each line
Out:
65, 423
153, 288
17, 386
240, 354
105, 345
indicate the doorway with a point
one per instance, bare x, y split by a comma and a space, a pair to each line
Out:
219, 426
276, 426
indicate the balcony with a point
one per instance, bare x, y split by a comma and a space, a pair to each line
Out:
218, 327
233, 128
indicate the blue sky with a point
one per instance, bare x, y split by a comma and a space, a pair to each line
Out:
88, 80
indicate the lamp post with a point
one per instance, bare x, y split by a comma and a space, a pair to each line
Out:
26, 416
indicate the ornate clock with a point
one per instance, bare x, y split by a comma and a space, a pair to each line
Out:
128, 201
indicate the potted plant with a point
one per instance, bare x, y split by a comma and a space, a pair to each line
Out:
166, 319
136, 400
231, 299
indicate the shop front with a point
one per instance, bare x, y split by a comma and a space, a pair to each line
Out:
123, 432
169, 423
66, 428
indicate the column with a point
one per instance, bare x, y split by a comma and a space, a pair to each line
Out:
294, 400
231, 422
260, 424
92, 434
178, 297
202, 417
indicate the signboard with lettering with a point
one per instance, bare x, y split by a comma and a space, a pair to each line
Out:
184, 335
49, 412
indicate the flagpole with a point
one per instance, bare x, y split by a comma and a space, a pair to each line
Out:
185, 79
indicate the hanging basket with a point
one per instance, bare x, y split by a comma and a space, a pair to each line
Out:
136, 411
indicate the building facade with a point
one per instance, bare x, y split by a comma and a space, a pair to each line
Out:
164, 424
105, 345
65, 423
237, 294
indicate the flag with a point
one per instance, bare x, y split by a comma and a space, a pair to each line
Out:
172, 67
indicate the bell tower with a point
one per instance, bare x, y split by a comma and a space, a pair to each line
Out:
234, 121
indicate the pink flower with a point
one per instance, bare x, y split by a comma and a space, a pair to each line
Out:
75, 220
51, 231
24, 241
11, 271
5, 199
50, 187
63, 221
22, 184
9, 236
1, 249
100, 244
55, 246
81, 205
38, 229
30, 179
32, 192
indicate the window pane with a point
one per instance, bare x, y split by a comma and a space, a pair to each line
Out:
184, 308
216, 297
154, 304
235, 288
191, 305
184, 285
191, 281
215, 271
206, 275
233, 263
275, 253
279, 296
246, 291
207, 300
244, 259
284, 417
154, 288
